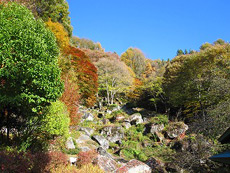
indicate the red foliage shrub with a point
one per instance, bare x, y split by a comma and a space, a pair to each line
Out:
87, 157
71, 99
23, 162
56, 159
15, 162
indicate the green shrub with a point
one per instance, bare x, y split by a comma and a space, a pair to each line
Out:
160, 119
87, 123
128, 153
55, 121
131, 144
71, 151
140, 128
164, 153
131, 153
113, 145
135, 133
142, 157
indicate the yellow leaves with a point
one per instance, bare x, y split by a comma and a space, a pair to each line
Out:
60, 33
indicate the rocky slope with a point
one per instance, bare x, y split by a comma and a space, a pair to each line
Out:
131, 140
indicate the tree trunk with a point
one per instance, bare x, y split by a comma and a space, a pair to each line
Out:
112, 97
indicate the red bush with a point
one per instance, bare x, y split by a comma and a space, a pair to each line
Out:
56, 159
87, 157
15, 162
23, 162
71, 99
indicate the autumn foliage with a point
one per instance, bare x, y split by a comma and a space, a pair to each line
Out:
71, 99
13, 161
60, 33
87, 157
86, 74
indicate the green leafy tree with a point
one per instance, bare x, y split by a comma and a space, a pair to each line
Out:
29, 73
57, 10
189, 79
205, 46
179, 52
219, 42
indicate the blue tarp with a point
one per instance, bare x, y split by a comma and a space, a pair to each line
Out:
222, 157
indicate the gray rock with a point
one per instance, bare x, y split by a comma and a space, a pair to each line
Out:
88, 131
160, 136
105, 163
84, 148
126, 120
85, 143
175, 129
127, 125
120, 118
70, 144
134, 166
103, 152
113, 133
82, 139
145, 120
87, 116
136, 119
156, 128
102, 141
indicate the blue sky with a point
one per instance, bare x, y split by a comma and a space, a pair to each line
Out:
157, 27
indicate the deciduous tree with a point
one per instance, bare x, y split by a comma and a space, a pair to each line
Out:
29, 73
135, 59
114, 78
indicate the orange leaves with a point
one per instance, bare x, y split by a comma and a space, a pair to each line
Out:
71, 98
60, 34
86, 74
136, 89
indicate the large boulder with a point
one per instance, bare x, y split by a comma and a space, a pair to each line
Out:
105, 163
103, 152
113, 133
104, 143
134, 166
176, 129
156, 128
85, 143
69, 143
136, 119
88, 131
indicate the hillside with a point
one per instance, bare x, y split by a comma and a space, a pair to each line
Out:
67, 105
